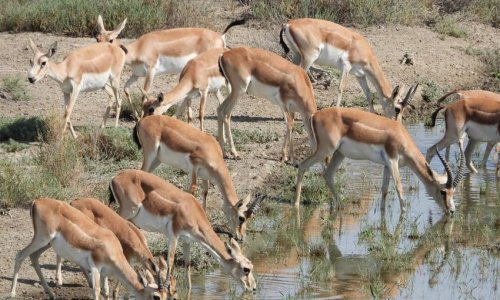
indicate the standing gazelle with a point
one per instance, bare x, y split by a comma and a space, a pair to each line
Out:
265, 74
327, 43
200, 76
158, 206
77, 238
475, 113
133, 242
164, 52
357, 134
85, 69
176, 143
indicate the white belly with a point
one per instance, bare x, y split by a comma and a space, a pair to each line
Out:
68, 252
91, 82
171, 64
216, 83
153, 223
259, 89
482, 133
360, 151
179, 160
331, 56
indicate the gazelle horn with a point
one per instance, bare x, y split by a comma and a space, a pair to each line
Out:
461, 169
254, 207
447, 168
409, 96
222, 230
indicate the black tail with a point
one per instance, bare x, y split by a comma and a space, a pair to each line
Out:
135, 136
235, 23
111, 198
124, 49
434, 115
282, 41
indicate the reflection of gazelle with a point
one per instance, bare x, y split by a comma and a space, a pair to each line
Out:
476, 113
262, 73
77, 238
165, 51
200, 76
356, 134
132, 240
156, 205
326, 43
176, 143
85, 69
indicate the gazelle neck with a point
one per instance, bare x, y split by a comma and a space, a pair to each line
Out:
57, 71
381, 84
211, 241
417, 163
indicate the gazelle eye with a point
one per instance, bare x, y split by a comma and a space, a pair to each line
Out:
242, 219
44, 63
246, 270
397, 109
111, 41
31, 62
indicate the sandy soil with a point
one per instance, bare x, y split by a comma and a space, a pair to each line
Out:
441, 60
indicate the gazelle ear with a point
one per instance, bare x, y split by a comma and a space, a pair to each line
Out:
395, 92
160, 97
120, 27
100, 24
52, 50
33, 46
244, 201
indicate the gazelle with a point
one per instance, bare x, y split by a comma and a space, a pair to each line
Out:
158, 206
200, 76
77, 238
357, 134
164, 52
327, 43
178, 144
85, 69
476, 113
265, 74
132, 240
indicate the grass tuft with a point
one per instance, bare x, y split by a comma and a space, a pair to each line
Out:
15, 86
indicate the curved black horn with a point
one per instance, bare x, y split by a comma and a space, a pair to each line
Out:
447, 168
409, 95
461, 169
254, 207
221, 229
158, 275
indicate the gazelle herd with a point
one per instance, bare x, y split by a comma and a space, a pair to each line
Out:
104, 243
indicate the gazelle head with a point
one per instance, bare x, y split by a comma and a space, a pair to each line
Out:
39, 62
149, 104
400, 103
444, 194
108, 36
245, 211
239, 266
151, 291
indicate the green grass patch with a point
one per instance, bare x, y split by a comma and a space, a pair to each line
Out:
15, 86
13, 146
108, 144
79, 18
242, 137
448, 26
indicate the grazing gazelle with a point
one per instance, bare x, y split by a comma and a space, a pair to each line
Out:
357, 134
164, 52
77, 238
155, 205
200, 76
265, 74
178, 144
327, 43
133, 242
475, 113
85, 69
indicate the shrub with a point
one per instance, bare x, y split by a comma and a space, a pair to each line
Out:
79, 18
108, 144
15, 86
448, 26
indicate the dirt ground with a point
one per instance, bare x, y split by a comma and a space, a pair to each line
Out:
437, 59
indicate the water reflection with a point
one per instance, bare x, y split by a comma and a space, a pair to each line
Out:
361, 252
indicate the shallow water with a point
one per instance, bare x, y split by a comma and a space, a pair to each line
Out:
426, 255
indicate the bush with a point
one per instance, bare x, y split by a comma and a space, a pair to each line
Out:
79, 18
15, 86
108, 144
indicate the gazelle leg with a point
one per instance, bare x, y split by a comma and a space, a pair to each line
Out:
115, 85
329, 175
187, 259
471, 145
303, 167
385, 185
59, 261
344, 70
206, 184
288, 154
224, 119
96, 281
397, 183
201, 113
